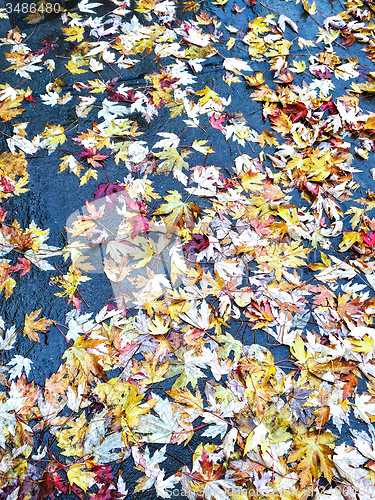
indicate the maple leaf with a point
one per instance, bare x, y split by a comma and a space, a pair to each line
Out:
207, 94
200, 146
85, 6
369, 240
198, 243
281, 123
79, 475
140, 224
18, 365
313, 450
80, 361
179, 212
74, 33
160, 428
187, 398
365, 345
92, 157
69, 282
282, 255
351, 382
267, 137
173, 161
299, 398
32, 325
56, 384
254, 81
109, 191
149, 368
217, 122
22, 265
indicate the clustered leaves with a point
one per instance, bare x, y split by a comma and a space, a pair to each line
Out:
277, 244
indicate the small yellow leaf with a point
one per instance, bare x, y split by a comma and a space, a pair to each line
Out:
254, 81
79, 476
298, 350
90, 173
157, 327
370, 124
365, 345
298, 66
74, 33
230, 43
348, 241
201, 148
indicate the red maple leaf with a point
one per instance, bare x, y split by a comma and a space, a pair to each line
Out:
324, 76
296, 111
139, 225
77, 302
5, 185
92, 157
47, 45
102, 473
198, 243
31, 99
329, 105
369, 240
23, 265
216, 123
109, 190
117, 97
103, 494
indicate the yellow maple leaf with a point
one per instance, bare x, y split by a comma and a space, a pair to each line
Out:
79, 475
282, 124
358, 214
149, 368
201, 148
187, 398
7, 285
69, 282
74, 68
190, 5
310, 9
298, 350
230, 43
19, 187
254, 81
90, 173
178, 211
207, 94
365, 345
172, 160
348, 241
267, 137
158, 327
313, 449
370, 124
281, 256
13, 165
80, 361
32, 325
298, 66
53, 135
73, 33
145, 6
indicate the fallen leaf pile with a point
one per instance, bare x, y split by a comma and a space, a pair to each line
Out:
212, 256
